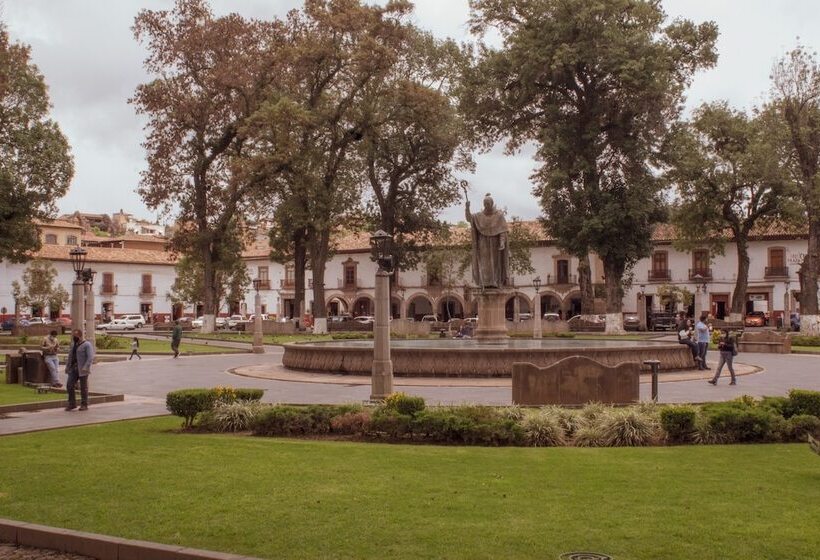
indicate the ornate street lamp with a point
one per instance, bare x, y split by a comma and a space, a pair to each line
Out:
78, 256
258, 347
382, 373
536, 325
642, 311
787, 306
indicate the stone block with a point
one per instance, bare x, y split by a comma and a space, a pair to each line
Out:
144, 550
575, 381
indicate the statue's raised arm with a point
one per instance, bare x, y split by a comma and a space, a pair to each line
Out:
490, 250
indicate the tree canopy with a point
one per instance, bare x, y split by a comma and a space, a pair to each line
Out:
38, 290
36, 166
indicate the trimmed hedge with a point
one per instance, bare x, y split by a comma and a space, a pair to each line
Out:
738, 423
404, 404
805, 402
285, 420
679, 423
189, 403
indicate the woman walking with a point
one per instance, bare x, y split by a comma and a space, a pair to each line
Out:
135, 348
726, 345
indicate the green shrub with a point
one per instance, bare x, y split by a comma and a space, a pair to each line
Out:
592, 411
513, 412
188, 403
390, 424
105, 342
243, 394
404, 403
468, 425
805, 402
738, 423
234, 416
283, 421
351, 335
569, 420
679, 423
543, 429
351, 423
781, 406
803, 340
589, 434
803, 425
628, 427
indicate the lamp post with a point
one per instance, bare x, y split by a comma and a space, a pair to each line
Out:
698, 279
88, 285
258, 348
642, 307
382, 373
536, 324
78, 256
787, 301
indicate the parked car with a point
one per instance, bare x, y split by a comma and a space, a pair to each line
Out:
39, 321
197, 323
663, 321
340, 318
587, 322
632, 322
524, 316
235, 320
137, 321
551, 317
755, 319
429, 319
116, 325
365, 319
471, 321
7, 325
221, 323
252, 317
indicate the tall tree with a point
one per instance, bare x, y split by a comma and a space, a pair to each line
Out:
412, 149
728, 179
36, 166
796, 98
597, 86
210, 75
38, 290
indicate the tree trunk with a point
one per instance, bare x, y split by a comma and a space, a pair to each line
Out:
299, 265
614, 297
809, 271
585, 285
318, 260
208, 289
738, 308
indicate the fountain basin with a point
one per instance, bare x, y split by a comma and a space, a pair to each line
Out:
470, 358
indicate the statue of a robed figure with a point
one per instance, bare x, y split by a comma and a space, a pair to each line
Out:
491, 265
490, 251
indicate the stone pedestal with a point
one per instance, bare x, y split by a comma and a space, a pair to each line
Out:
492, 324
90, 326
78, 305
382, 372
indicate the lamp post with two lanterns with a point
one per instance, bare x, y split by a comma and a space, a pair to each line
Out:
258, 347
536, 316
382, 372
82, 294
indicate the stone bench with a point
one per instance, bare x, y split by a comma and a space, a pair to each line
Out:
768, 342
575, 380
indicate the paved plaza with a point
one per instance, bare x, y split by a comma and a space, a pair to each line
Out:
146, 382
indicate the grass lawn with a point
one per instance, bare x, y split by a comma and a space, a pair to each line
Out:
815, 349
268, 339
278, 498
16, 394
165, 347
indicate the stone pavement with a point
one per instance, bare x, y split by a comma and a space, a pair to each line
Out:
145, 384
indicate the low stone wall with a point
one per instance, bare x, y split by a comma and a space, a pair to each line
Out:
575, 381
36, 330
765, 342
275, 327
404, 327
547, 327
349, 326
471, 361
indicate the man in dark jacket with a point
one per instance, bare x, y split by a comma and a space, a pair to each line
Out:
176, 338
78, 368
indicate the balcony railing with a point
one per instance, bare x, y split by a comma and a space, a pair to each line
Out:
148, 291
659, 275
290, 284
108, 290
777, 272
704, 273
264, 284
343, 285
561, 279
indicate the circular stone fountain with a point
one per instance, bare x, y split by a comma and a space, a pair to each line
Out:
471, 358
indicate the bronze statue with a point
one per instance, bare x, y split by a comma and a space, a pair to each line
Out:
490, 251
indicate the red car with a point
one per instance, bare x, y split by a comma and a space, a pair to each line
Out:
755, 319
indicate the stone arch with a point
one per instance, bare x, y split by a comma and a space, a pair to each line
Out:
363, 305
419, 305
396, 305
571, 304
450, 306
550, 302
524, 305
336, 305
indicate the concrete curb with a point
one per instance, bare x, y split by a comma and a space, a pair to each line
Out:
46, 405
101, 547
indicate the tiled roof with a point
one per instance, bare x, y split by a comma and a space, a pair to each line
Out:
108, 255
58, 223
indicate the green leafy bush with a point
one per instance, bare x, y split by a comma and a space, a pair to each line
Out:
592, 411
803, 425
188, 403
589, 434
236, 416
543, 429
738, 423
390, 424
805, 402
469, 425
404, 403
679, 423
351, 335
803, 340
569, 420
628, 427
106, 342
243, 394
777, 405
283, 421
351, 423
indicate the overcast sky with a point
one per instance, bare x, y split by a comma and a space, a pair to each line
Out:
91, 63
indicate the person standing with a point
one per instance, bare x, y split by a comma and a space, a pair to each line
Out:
702, 332
685, 336
728, 351
50, 347
176, 338
78, 368
135, 349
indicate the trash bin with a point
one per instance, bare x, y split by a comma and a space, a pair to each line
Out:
33, 366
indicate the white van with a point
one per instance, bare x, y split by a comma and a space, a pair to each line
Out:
137, 321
